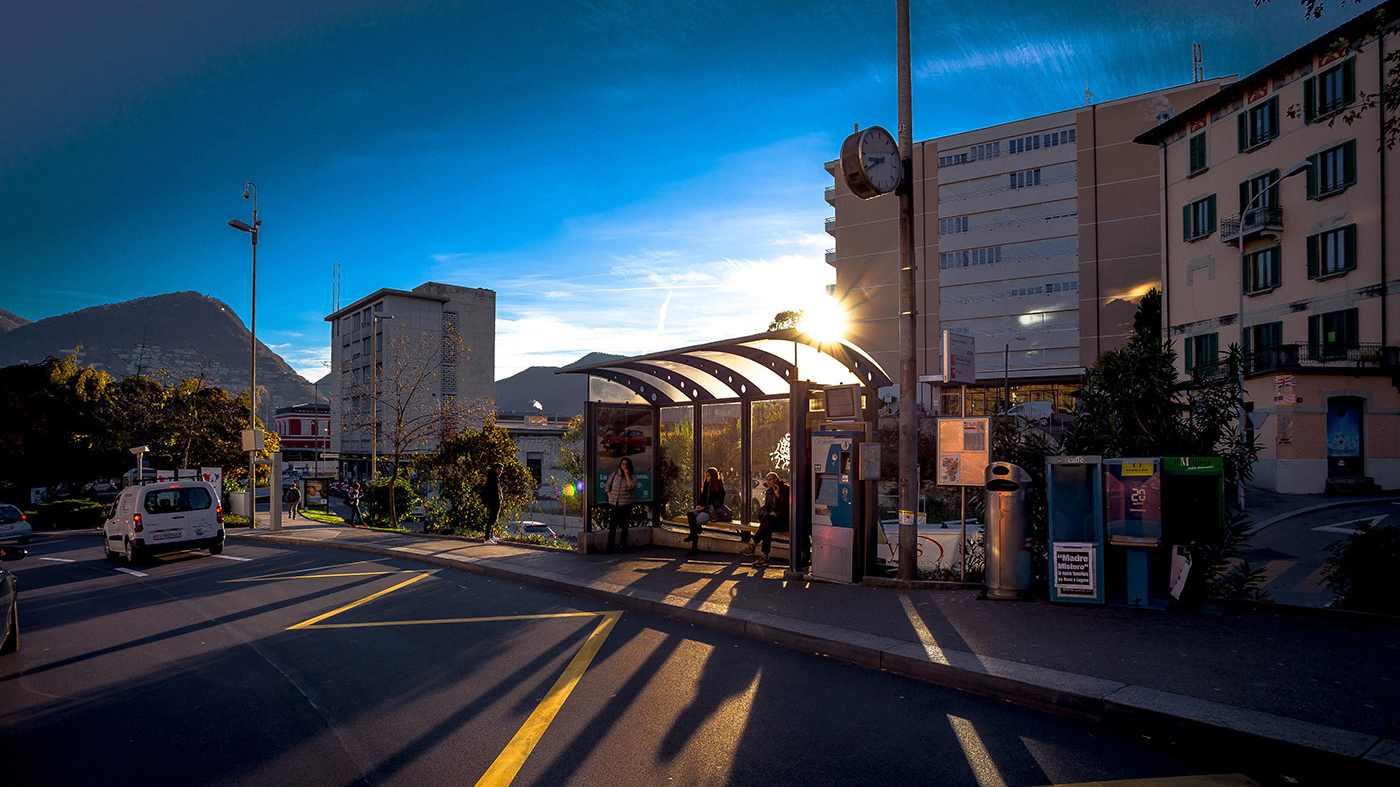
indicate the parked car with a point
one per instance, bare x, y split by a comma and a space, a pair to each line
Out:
9, 601
537, 529
164, 518
1036, 412
14, 526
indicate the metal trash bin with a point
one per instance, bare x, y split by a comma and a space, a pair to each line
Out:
1008, 541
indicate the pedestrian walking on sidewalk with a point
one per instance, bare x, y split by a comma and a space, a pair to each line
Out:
621, 489
491, 498
352, 499
773, 517
709, 507
293, 500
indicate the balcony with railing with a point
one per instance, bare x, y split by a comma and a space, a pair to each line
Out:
1264, 219
830, 194
830, 256
1322, 356
831, 224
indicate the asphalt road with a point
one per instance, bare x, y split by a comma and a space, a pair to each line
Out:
313, 667
1292, 551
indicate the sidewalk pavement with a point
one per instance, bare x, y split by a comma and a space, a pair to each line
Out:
1301, 690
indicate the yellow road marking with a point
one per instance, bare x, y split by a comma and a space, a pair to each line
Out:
1276, 568
322, 576
353, 604
1213, 780
1314, 583
513, 757
451, 620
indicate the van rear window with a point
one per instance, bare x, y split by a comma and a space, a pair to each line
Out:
187, 498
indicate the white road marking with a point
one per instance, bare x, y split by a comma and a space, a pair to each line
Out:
132, 572
57, 559
231, 557
1348, 527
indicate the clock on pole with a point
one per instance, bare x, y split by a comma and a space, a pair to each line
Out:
870, 162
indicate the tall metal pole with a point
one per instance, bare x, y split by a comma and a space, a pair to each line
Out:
374, 396
253, 368
908, 369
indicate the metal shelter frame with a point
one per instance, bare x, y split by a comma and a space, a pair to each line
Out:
764, 366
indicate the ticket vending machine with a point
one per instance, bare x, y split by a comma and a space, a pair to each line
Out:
838, 505
1133, 489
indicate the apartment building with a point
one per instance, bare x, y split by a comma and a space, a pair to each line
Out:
439, 337
1276, 237
1037, 237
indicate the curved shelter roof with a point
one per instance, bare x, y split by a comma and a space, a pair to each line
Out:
748, 367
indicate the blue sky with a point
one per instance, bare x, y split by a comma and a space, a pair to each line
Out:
627, 176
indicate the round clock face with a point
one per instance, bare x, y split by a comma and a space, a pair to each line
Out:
870, 163
879, 157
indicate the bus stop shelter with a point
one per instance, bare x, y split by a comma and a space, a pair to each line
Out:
735, 405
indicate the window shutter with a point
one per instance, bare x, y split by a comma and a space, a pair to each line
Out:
1244, 130
1186, 221
1312, 256
1273, 117
1349, 321
1247, 272
1349, 162
1276, 267
1210, 215
1315, 331
1349, 240
1309, 91
1273, 180
1190, 340
1349, 81
1312, 177
1212, 351
1244, 197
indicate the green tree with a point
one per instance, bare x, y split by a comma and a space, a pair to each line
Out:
458, 469
788, 318
571, 464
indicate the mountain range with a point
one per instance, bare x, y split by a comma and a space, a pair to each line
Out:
170, 337
562, 394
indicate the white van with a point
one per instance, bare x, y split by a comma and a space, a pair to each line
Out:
166, 517
1035, 412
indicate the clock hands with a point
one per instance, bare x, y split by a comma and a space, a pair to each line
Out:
871, 161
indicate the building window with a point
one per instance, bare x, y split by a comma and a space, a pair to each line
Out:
1201, 354
1329, 91
1332, 170
1332, 253
990, 255
1263, 270
1024, 179
1250, 189
1331, 335
535, 461
1198, 154
1259, 343
1258, 125
953, 226
1198, 218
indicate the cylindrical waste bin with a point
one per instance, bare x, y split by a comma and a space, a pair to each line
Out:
1008, 537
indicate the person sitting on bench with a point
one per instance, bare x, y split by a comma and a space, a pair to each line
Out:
708, 506
772, 517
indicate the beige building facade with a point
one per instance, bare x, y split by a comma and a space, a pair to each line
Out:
1312, 285
1036, 237
439, 339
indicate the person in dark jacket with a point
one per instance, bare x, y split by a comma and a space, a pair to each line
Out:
707, 507
491, 498
621, 489
773, 517
293, 500
353, 495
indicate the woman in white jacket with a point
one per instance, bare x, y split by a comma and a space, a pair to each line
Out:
621, 489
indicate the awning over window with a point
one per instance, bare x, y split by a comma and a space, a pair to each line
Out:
745, 368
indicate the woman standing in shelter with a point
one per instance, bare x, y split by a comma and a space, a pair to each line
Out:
621, 489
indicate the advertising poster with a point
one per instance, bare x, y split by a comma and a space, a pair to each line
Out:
963, 451
215, 476
626, 432
1074, 568
1133, 489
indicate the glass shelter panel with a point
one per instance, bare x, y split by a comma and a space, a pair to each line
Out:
720, 447
768, 447
677, 462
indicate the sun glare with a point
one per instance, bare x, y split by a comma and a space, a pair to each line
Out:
824, 319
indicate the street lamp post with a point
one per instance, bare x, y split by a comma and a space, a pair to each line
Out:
1296, 169
1006, 370
374, 392
252, 231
